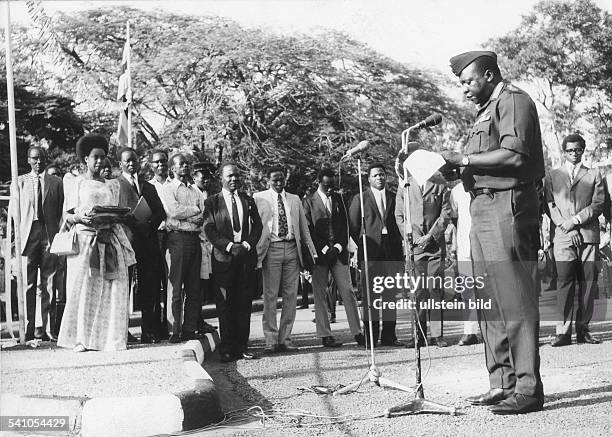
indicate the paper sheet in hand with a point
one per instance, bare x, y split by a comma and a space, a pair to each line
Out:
142, 212
422, 165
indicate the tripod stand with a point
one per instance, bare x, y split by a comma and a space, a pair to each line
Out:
374, 374
419, 404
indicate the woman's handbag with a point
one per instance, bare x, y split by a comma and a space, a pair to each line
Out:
65, 241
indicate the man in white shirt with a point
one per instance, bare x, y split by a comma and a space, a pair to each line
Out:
184, 217
281, 254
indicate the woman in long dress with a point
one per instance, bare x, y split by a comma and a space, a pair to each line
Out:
97, 289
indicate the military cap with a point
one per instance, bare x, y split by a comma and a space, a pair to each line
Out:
459, 62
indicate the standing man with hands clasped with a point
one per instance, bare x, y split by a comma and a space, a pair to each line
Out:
575, 195
503, 160
233, 226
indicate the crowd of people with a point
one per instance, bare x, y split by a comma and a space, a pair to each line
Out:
174, 244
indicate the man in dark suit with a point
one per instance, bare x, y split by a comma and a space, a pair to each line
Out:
328, 224
142, 233
576, 196
430, 214
41, 198
384, 243
233, 226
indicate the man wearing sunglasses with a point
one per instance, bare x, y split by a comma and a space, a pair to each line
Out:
575, 196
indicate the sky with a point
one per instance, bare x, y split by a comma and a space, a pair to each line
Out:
423, 33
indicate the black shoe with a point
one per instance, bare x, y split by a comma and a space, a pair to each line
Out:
331, 342
224, 358
518, 404
438, 341
393, 343
38, 333
286, 348
175, 338
303, 307
195, 335
492, 397
360, 339
246, 355
410, 343
131, 339
207, 328
561, 340
48, 337
29, 337
586, 337
468, 339
146, 338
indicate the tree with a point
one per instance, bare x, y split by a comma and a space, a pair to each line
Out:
565, 48
42, 119
206, 84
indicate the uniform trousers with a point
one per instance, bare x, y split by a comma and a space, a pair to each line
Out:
504, 241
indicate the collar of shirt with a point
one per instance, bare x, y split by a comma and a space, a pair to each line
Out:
323, 197
176, 182
378, 193
131, 178
571, 168
494, 95
227, 194
274, 194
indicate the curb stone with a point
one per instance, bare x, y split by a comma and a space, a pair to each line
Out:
138, 416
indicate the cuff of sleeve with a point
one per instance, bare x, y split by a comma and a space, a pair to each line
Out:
246, 245
228, 248
576, 220
324, 250
339, 247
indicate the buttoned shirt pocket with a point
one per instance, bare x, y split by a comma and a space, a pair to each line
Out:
478, 141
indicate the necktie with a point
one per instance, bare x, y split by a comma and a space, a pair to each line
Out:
381, 206
235, 216
330, 222
134, 185
39, 201
283, 229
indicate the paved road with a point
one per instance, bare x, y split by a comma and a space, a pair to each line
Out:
577, 380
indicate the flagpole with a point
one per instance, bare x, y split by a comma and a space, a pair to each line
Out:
14, 184
129, 86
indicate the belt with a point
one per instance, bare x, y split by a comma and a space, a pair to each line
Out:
480, 191
184, 232
283, 241
491, 191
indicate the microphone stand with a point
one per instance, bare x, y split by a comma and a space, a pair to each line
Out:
374, 374
419, 404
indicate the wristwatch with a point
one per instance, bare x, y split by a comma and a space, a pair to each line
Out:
465, 161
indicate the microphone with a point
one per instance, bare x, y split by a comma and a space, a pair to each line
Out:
430, 121
363, 145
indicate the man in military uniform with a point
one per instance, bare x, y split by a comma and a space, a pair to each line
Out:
503, 160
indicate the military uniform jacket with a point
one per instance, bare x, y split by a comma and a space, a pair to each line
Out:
508, 120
